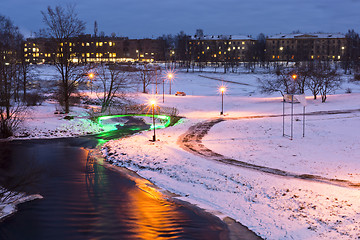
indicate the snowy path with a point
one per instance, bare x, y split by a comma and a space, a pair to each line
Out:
227, 81
191, 141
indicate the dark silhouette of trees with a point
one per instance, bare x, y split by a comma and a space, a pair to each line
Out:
112, 80
324, 79
10, 55
146, 75
320, 77
62, 25
351, 58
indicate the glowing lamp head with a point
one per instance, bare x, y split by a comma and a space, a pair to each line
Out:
294, 76
222, 89
153, 102
91, 75
170, 76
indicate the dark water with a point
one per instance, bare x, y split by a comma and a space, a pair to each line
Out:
84, 200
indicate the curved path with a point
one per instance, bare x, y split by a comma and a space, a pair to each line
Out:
191, 141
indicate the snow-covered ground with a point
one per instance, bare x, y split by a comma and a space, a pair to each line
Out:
41, 122
274, 207
9, 200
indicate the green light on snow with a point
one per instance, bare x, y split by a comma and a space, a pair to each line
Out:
112, 127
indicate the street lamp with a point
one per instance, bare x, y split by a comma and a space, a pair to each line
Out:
294, 76
170, 76
222, 90
153, 104
91, 77
163, 90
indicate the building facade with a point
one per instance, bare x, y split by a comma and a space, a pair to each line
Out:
305, 47
88, 49
210, 48
219, 48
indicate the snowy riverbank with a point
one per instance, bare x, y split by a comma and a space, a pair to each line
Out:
272, 205
275, 207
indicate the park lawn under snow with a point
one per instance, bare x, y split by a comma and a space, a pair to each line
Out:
274, 207
41, 122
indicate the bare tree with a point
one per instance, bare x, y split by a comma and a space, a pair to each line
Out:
282, 82
146, 76
326, 78
352, 51
62, 25
113, 79
10, 49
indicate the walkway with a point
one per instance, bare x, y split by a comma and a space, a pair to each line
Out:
191, 141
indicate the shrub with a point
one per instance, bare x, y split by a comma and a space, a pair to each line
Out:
33, 99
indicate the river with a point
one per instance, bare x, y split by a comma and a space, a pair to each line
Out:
85, 200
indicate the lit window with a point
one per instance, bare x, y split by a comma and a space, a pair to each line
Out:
338, 57
110, 54
238, 47
34, 49
70, 44
243, 43
87, 44
243, 48
219, 52
114, 54
87, 54
281, 48
100, 44
229, 49
61, 44
97, 44
83, 44
25, 49
110, 44
342, 48
208, 48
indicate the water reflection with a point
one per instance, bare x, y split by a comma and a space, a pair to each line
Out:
84, 200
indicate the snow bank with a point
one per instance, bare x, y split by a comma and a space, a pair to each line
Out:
274, 207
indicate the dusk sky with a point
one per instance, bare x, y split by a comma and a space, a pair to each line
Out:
144, 18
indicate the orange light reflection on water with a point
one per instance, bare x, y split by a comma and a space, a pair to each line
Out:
153, 216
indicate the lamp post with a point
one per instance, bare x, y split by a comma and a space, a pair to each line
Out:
153, 104
170, 76
294, 76
91, 77
163, 90
222, 90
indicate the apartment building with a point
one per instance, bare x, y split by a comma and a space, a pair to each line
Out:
88, 49
304, 47
218, 48
209, 48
